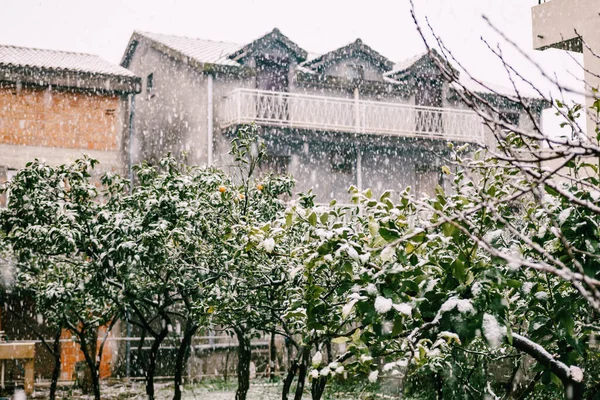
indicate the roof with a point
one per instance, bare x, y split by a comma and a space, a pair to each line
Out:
274, 35
346, 51
415, 64
65, 69
402, 66
201, 50
488, 88
59, 61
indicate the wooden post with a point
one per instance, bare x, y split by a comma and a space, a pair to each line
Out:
29, 375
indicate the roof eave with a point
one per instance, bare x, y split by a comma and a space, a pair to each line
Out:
71, 79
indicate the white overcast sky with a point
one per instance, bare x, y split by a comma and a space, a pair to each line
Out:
104, 27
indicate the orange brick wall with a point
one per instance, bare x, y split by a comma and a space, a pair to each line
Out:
70, 354
43, 117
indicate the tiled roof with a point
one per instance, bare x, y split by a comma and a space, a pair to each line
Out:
356, 46
405, 64
201, 50
54, 60
274, 35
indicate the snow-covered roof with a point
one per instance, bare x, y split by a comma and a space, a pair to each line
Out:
484, 87
355, 47
201, 50
405, 64
274, 36
54, 60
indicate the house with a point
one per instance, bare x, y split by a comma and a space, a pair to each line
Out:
347, 117
572, 25
57, 105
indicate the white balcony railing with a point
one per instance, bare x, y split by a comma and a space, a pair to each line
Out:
290, 110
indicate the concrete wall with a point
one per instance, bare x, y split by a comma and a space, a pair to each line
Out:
172, 116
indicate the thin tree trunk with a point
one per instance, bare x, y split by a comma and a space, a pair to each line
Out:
243, 367
182, 354
318, 387
88, 350
287, 383
225, 372
272, 358
302, 374
56, 369
151, 366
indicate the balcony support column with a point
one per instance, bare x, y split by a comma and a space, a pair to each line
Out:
209, 122
356, 110
358, 167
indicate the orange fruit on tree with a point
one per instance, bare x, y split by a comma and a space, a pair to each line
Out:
259, 187
222, 189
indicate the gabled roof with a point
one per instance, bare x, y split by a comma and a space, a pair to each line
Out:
354, 48
413, 64
274, 36
200, 50
59, 61
63, 68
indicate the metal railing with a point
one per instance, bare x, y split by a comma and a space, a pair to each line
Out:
291, 110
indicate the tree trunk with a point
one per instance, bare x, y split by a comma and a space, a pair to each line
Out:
272, 358
56, 369
151, 366
225, 372
182, 354
302, 374
89, 353
243, 367
318, 387
287, 383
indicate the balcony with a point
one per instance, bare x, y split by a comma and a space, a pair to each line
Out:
298, 111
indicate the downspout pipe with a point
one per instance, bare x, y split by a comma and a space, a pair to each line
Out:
131, 138
209, 122
130, 173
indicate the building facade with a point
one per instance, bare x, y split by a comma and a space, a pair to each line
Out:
347, 117
572, 25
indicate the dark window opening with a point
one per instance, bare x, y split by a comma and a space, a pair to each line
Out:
342, 161
150, 83
512, 117
275, 163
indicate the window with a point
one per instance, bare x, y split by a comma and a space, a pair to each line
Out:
150, 83
341, 160
512, 117
275, 163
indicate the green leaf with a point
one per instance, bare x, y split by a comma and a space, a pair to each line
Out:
312, 219
448, 229
389, 234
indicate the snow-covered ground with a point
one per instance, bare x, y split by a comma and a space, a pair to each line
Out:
213, 390
136, 391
